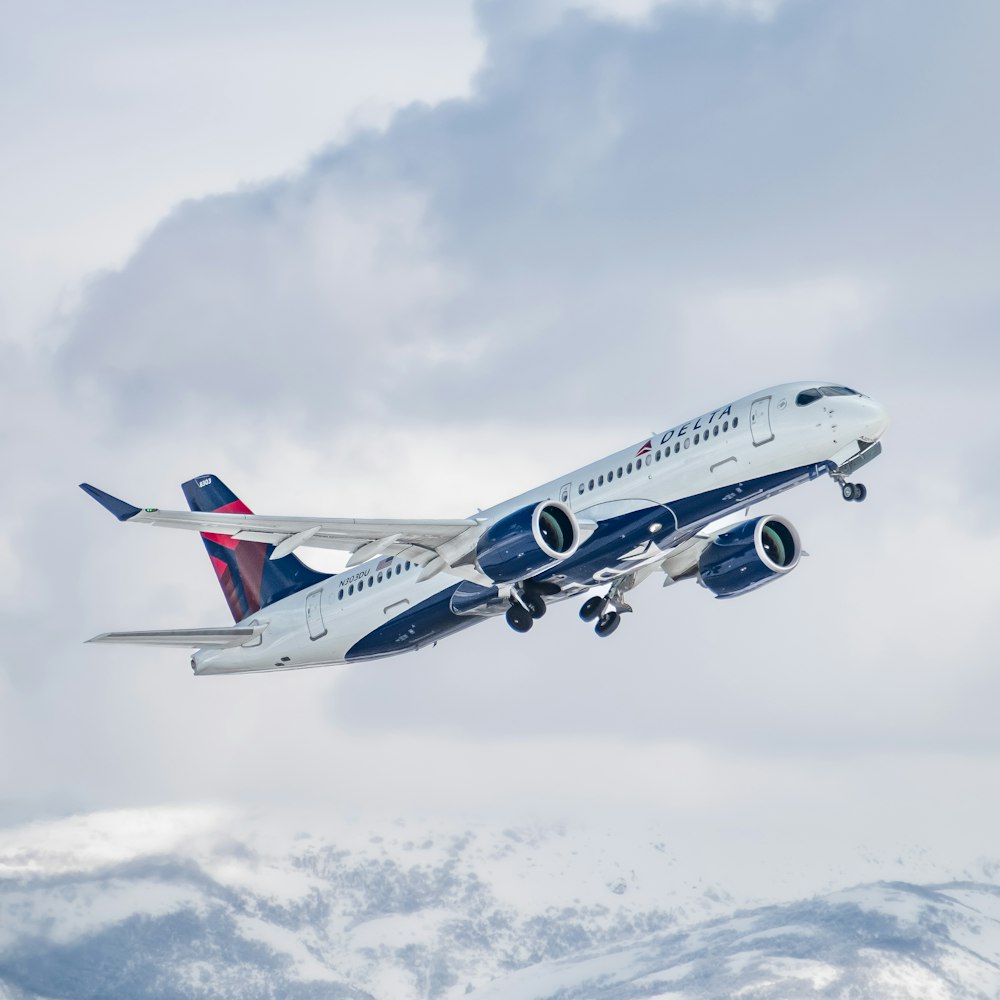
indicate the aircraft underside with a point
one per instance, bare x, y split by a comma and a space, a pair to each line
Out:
613, 554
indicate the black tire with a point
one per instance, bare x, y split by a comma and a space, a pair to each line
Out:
848, 491
536, 605
519, 619
607, 623
860, 492
591, 608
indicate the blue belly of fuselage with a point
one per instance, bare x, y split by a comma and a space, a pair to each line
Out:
618, 545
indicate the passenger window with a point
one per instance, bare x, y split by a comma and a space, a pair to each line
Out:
590, 485
696, 439
736, 421
350, 589
715, 431
340, 594
379, 578
371, 581
397, 569
619, 472
407, 565
628, 468
725, 425
649, 459
657, 455
687, 442
600, 480
580, 489
677, 447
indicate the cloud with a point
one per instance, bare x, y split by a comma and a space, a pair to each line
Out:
624, 223
601, 175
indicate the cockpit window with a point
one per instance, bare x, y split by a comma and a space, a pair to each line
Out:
808, 396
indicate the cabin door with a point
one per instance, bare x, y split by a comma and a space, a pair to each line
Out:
760, 421
314, 615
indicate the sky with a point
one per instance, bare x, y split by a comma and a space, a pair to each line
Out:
368, 260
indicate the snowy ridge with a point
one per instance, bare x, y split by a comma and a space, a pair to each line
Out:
207, 903
882, 941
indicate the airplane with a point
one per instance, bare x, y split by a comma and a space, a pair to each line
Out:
663, 505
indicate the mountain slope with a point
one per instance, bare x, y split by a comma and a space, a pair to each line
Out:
884, 941
167, 903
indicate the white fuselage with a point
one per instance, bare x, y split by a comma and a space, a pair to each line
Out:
695, 472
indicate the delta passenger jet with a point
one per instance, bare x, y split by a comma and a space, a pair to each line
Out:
663, 506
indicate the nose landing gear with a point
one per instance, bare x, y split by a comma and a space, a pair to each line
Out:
853, 491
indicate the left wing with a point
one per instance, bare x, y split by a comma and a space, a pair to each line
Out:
433, 545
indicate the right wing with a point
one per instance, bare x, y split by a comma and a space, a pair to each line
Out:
433, 545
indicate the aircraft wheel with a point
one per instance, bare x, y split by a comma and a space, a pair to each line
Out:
848, 491
519, 619
591, 608
536, 605
860, 492
607, 623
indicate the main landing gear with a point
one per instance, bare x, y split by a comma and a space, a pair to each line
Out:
607, 610
527, 605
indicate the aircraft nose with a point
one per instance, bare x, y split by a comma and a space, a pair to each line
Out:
876, 420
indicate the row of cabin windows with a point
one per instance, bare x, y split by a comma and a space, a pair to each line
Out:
372, 580
699, 437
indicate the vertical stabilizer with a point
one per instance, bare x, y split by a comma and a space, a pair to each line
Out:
249, 578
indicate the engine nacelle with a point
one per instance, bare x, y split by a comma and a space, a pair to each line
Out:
528, 541
749, 555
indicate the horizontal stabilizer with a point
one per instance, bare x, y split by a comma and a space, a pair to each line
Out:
200, 638
122, 510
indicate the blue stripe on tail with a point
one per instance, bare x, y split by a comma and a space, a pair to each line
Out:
249, 578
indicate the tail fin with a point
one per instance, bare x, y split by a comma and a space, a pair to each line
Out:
249, 578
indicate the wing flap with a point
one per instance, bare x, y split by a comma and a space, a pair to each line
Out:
191, 638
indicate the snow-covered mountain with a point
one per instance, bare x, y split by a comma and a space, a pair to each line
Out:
207, 904
885, 941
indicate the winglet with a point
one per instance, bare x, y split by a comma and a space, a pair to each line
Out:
122, 510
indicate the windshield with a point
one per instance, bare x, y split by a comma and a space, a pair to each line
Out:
808, 396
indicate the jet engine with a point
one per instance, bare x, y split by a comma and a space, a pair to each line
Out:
529, 541
749, 555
